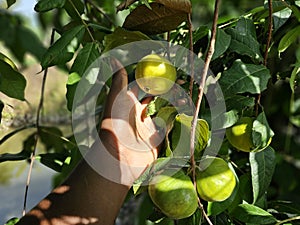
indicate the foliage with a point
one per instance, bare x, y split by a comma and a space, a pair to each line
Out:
268, 190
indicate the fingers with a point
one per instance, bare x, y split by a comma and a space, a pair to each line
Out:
119, 84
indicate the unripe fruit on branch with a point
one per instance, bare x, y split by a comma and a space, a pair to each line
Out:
240, 134
215, 180
155, 74
173, 193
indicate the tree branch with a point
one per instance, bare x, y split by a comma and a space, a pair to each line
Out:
270, 28
36, 138
208, 57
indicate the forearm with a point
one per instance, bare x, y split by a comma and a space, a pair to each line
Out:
84, 198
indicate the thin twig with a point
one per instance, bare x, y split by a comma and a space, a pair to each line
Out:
208, 57
270, 27
83, 22
288, 220
36, 137
101, 12
191, 55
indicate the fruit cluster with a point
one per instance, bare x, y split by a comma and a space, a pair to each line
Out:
172, 189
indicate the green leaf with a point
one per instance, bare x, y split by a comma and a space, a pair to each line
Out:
53, 161
165, 116
243, 39
157, 20
287, 207
222, 43
252, 214
60, 52
24, 154
8, 61
73, 78
180, 136
46, 5
262, 168
243, 78
296, 12
12, 83
281, 17
74, 10
68, 165
52, 138
86, 56
163, 162
155, 105
294, 74
10, 3
261, 132
239, 102
12, 221
225, 120
121, 36
100, 28
289, 38
30, 42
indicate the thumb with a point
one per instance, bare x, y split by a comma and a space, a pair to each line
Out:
119, 83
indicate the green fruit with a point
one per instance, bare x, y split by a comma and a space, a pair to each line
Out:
155, 75
173, 193
240, 134
215, 180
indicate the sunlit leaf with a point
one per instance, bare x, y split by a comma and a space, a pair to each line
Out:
252, 214
289, 38
12, 83
158, 19
181, 133
242, 78
86, 56
261, 132
243, 39
155, 105
281, 17
60, 53
262, 169
8, 61
12, 221
163, 162
54, 160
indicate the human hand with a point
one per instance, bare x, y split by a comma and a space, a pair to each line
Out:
127, 133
